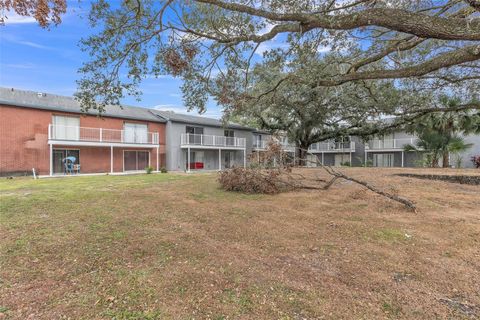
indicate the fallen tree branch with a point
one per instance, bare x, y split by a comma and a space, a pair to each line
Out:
337, 174
270, 180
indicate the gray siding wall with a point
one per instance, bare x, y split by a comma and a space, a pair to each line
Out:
473, 151
177, 157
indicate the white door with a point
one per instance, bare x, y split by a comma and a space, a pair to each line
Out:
66, 128
383, 160
135, 133
129, 132
340, 158
388, 141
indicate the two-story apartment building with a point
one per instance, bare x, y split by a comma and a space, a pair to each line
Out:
51, 134
341, 151
381, 151
262, 138
199, 143
46, 132
388, 151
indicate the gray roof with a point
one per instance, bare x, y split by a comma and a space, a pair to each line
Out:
47, 101
198, 120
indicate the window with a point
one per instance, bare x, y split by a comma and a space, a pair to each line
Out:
66, 128
387, 141
229, 157
258, 141
135, 133
194, 135
196, 160
59, 156
229, 140
383, 160
342, 142
135, 160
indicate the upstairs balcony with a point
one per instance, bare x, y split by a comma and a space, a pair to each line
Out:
203, 141
389, 144
73, 135
262, 145
341, 147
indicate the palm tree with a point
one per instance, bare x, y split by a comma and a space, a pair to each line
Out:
438, 132
456, 146
436, 145
431, 143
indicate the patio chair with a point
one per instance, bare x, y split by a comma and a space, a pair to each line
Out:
69, 163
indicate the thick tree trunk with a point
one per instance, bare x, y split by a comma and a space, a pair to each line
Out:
446, 160
434, 161
302, 155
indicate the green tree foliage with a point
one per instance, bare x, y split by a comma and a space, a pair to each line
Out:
215, 46
439, 133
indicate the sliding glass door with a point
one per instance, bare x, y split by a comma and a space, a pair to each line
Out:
135, 160
59, 156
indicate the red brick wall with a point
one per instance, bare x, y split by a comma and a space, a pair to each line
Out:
24, 141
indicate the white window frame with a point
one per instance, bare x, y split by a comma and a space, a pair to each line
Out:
136, 164
66, 127
387, 160
135, 132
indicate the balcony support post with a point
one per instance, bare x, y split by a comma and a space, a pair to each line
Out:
219, 159
350, 158
323, 158
403, 155
245, 158
188, 159
111, 159
157, 159
365, 159
51, 160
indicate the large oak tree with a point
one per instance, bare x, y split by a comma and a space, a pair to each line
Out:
214, 46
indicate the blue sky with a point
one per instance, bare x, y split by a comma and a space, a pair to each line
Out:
33, 58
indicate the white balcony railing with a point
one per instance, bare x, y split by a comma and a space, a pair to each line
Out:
84, 134
333, 146
262, 145
190, 139
380, 144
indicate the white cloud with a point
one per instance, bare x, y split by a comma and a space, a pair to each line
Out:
324, 49
20, 65
267, 46
13, 18
17, 40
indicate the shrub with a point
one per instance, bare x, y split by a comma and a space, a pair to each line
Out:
149, 169
476, 161
345, 164
163, 170
251, 180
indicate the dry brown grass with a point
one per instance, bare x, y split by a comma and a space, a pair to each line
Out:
176, 247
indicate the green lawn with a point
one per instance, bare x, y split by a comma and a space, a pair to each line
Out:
175, 246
